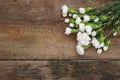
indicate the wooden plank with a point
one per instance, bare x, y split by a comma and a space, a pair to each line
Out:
59, 70
14, 11
45, 40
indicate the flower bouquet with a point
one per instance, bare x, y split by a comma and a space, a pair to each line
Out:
90, 24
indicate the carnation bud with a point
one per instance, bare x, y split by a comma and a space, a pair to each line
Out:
71, 25
71, 11
99, 51
108, 43
74, 31
67, 20
101, 39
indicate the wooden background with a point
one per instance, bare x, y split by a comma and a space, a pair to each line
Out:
33, 45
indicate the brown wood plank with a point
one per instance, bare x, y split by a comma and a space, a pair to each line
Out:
14, 11
59, 70
45, 40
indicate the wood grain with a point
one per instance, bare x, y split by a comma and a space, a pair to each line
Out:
34, 29
45, 40
33, 44
15, 11
59, 70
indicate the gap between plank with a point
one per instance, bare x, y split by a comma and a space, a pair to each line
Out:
80, 60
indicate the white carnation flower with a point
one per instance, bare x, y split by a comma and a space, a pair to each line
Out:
99, 51
115, 34
105, 48
88, 29
80, 50
67, 31
74, 16
79, 36
83, 38
78, 20
86, 18
96, 20
64, 15
86, 36
71, 25
82, 10
95, 43
64, 10
82, 27
67, 20
94, 33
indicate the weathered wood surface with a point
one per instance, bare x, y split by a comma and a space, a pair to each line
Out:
14, 11
34, 29
45, 40
32, 32
59, 70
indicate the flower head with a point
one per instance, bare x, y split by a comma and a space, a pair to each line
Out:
71, 25
95, 43
94, 33
64, 10
83, 39
67, 20
88, 29
82, 10
67, 31
105, 48
96, 20
115, 34
78, 20
86, 18
74, 16
107, 44
99, 51
80, 49
82, 27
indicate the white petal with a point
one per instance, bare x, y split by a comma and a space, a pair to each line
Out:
74, 16
86, 18
96, 20
82, 10
95, 43
82, 27
99, 51
66, 20
64, 14
67, 31
94, 33
71, 25
105, 48
80, 50
78, 20
79, 36
86, 43
64, 7
83, 38
88, 29
64, 10
115, 34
